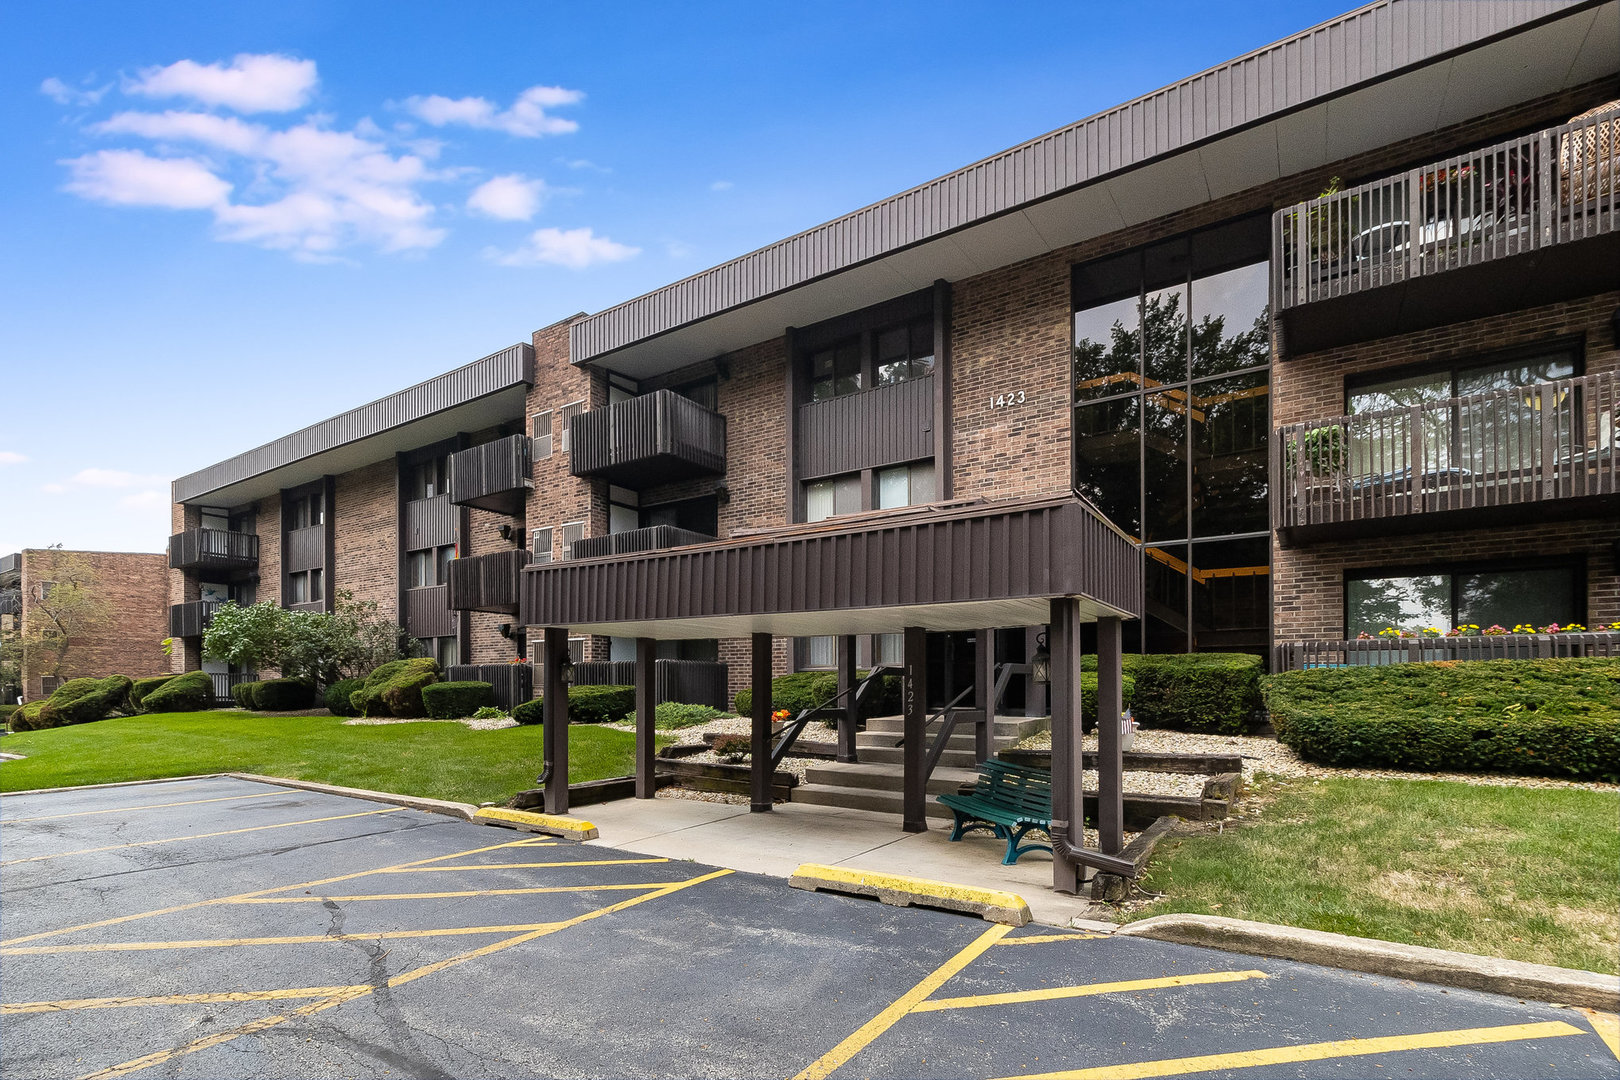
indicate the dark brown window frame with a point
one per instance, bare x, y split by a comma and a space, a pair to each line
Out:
1462, 361
1573, 560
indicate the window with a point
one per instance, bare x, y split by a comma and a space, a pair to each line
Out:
839, 495
447, 651
306, 511
835, 371
571, 532
429, 567
569, 411
540, 545
900, 352
306, 587
540, 435
428, 479
905, 485
705, 393
889, 649
441, 561
815, 653
1507, 596
903, 353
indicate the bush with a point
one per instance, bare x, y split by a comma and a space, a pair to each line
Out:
77, 701
454, 700
672, 715
26, 717
599, 704
491, 712
1088, 695
242, 694
337, 697
191, 692
1531, 717
142, 687
283, 695
1218, 693
807, 689
395, 688
6, 711
528, 712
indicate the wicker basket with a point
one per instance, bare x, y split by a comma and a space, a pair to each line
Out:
1586, 158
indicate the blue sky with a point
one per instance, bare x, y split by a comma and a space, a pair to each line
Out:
223, 222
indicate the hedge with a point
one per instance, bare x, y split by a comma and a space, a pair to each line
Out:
806, 689
1218, 693
1088, 695
528, 712
337, 697
191, 692
395, 688
453, 700
142, 687
77, 701
586, 705
283, 695
242, 694
1530, 717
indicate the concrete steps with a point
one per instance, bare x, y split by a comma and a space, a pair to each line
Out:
883, 777
859, 798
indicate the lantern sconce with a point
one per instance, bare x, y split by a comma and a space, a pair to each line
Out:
1040, 665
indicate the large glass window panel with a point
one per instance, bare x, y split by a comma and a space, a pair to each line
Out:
1229, 430
1164, 465
1231, 594
1509, 597
1164, 590
1230, 329
894, 487
1106, 459
818, 500
1386, 432
1419, 601
1526, 371
1164, 335
835, 371
818, 652
1107, 349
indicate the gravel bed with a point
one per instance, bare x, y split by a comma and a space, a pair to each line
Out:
1263, 753
493, 723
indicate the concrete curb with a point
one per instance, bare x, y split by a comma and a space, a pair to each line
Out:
571, 828
464, 811
901, 891
117, 783
1514, 978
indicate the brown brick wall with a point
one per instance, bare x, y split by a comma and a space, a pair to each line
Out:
136, 587
483, 537
365, 556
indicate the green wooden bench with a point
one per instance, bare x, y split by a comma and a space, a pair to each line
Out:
1009, 800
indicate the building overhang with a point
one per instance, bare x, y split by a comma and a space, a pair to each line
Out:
479, 395
947, 566
1386, 72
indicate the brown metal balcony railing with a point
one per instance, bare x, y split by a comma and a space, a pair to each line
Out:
886, 425
190, 620
648, 440
653, 538
492, 476
11, 602
428, 614
213, 549
225, 682
487, 582
1521, 195
1378, 652
1529, 445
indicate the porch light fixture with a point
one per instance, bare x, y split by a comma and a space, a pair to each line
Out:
1040, 665
567, 672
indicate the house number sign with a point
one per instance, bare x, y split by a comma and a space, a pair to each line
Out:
1007, 400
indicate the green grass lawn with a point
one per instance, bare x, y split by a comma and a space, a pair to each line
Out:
435, 760
1523, 873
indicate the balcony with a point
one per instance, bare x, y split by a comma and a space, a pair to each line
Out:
190, 620
492, 476
886, 425
487, 582
1526, 221
214, 550
1531, 453
10, 570
654, 538
428, 614
648, 440
1382, 652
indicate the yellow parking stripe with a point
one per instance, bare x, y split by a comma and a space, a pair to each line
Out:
886, 1019
1042, 939
223, 998
132, 809
458, 893
1323, 1051
1053, 993
313, 1007
263, 892
1607, 1026
514, 865
201, 836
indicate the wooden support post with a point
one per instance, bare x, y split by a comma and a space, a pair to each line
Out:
850, 720
984, 684
1068, 801
914, 795
554, 718
1035, 703
1110, 753
646, 712
759, 743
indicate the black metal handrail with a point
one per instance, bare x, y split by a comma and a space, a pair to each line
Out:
226, 682
827, 710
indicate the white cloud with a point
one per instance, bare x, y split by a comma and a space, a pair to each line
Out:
223, 132
11, 457
113, 478
52, 489
509, 198
63, 94
573, 248
586, 163
721, 185
251, 83
527, 118
131, 178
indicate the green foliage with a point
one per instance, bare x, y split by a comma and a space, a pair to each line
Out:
806, 689
246, 637
528, 712
1325, 450
338, 694
454, 700
242, 694
283, 695
599, 704
311, 645
672, 715
190, 692
1529, 717
1217, 693
26, 717
145, 686
83, 701
404, 679
1088, 694
490, 712
6, 711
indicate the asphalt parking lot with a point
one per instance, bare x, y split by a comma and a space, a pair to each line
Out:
221, 928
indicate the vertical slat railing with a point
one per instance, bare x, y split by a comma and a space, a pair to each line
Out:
1380, 652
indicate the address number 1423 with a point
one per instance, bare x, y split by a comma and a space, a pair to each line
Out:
1008, 400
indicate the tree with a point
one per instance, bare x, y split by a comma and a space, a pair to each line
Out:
66, 609
322, 648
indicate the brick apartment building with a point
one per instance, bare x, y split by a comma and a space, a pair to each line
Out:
1327, 332
126, 637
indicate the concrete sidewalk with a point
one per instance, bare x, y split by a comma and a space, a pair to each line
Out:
776, 843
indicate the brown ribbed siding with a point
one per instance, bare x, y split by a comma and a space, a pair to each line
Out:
1026, 549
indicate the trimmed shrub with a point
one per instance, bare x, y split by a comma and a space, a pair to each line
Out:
454, 700
806, 689
1088, 695
77, 701
283, 695
191, 692
142, 687
1217, 693
242, 694
395, 688
1530, 717
599, 704
528, 712
337, 697
26, 717
672, 715
6, 711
